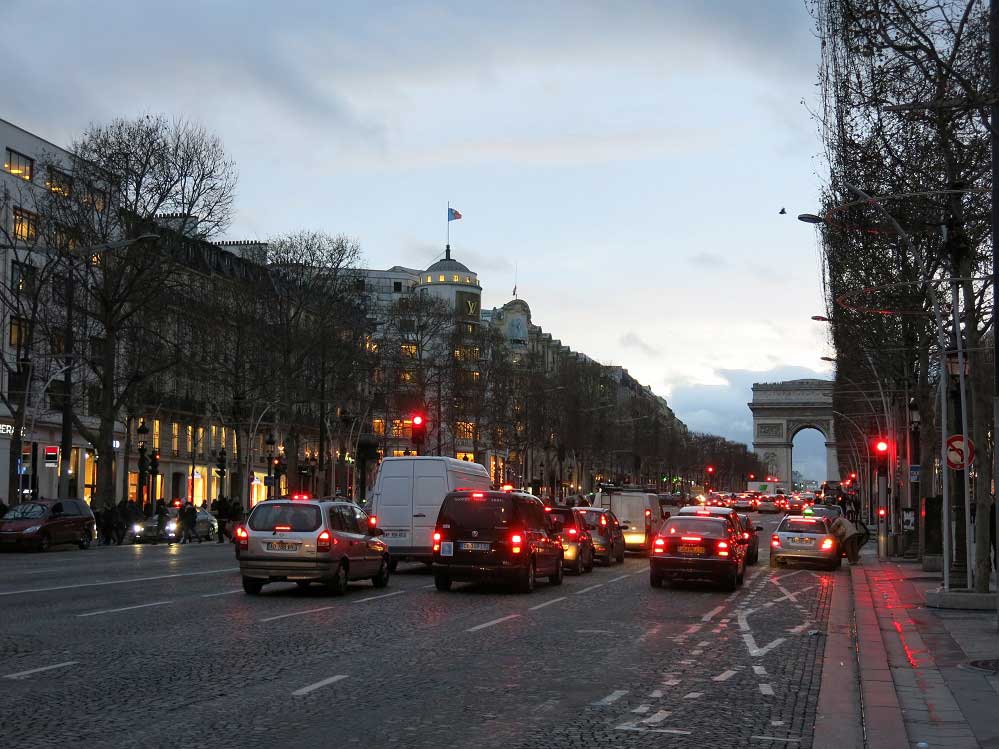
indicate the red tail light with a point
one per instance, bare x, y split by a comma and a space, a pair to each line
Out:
242, 538
690, 538
572, 531
324, 542
603, 520
827, 544
282, 527
373, 521
648, 513
478, 495
659, 546
516, 540
745, 535
437, 540
775, 541
722, 548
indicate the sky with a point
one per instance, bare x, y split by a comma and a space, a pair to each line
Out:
624, 164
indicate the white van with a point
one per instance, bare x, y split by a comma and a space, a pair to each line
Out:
639, 512
408, 495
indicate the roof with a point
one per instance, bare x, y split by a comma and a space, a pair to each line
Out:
448, 264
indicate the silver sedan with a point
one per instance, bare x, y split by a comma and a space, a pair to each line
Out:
804, 539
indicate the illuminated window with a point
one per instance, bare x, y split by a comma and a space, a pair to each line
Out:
399, 453
175, 438
19, 330
19, 165
468, 279
59, 182
456, 278
25, 225
156, 434
190, 440
63, 238
429, 279
465, 430
22, 277
378, 427
215, 435
467, 457
370, 346
201, 440
408, 350
441, 278
405, 377
474, 375
95, 198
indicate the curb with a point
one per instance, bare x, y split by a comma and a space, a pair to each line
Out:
839, 718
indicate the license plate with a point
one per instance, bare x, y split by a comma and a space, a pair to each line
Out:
468, 546
281, 546
447, 548
686, 549
803, 541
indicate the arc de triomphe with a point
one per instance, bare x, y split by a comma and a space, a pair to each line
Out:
780, 411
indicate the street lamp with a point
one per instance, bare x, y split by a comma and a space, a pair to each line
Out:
811, 218
270, 442
140, 490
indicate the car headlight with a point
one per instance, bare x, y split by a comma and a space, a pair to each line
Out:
33, 529
171, 526
136, 528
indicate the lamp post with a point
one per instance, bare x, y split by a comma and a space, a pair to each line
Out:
140, 489
270, 442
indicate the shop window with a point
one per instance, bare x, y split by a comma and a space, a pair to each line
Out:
378, 427
19, 165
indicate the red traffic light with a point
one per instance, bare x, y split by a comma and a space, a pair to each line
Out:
417, 420
853, 476
711, 469
881, 512
881, 446
752, 476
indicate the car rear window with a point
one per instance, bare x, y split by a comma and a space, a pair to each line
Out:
713, 527
477, 512
797, 525
565, 516
298, 517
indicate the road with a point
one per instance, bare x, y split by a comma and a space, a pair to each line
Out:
158, 646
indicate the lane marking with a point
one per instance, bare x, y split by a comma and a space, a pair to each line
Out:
546, 603
650, 633
383, 595
659, 717
587, 590
494, 622
223, 593
767, 690
656, 694
125, 608
427, 587
295, 613
633, 727
319, 685
594, 631
724, 676
22, 674
759, 671
117, 582
642, 709
693, 628
710, 615
613, 697
614, 580
800, 628
755, 651
774, 738
703, 643
693, 695
671, 682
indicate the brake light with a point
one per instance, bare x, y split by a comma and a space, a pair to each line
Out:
806, 520
775, 541
478, 495
547, 508
282, 527
572, 531
722, 548
827, 544
659, 545
324, 542
702, 512
745, 535
437, 541
515, 541
506, 488
373, 521
242, 537
690, 538
648, 513
603, 520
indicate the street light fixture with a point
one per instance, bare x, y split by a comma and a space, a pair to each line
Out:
810, 218
828, 358
142, 431
820, 318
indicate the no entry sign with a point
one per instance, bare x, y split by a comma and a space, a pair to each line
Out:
960, 452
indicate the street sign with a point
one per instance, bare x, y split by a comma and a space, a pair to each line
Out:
269, 480
914, 473
960, 452
51, 456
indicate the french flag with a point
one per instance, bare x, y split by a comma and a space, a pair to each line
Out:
452, 214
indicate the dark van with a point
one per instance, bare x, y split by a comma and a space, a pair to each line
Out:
496, 536
40, 524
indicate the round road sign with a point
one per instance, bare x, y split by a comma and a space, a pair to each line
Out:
960, 452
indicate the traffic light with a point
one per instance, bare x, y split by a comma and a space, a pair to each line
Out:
853, 477
711, 469
419, 429
752, 477
220, 465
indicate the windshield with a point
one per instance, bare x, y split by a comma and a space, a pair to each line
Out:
713, 527
26, 511
477, 512
802, 525
296, 517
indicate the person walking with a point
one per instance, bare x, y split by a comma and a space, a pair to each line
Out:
219, 509
161, 520
849, 538
184, 518
192, 521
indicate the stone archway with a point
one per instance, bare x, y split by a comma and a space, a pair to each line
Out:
780, 411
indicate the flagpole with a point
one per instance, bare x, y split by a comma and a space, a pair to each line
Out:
448, 224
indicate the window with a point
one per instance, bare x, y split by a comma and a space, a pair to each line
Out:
370, 346
378, 427
468, 279
19, 332
95, 198
465, 430
429, 279
466, 457
408, 350
405, 377
348, 521
25, 225
441, 278
201, 441
57, 342
407, 326
402, 428
358, 284
215, 435
190, 440
19, 165
59, 182
156, 434
222, 441
63, 238
175, 438
22, 277
456, 278
397, 287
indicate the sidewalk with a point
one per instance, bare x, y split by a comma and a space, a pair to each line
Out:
916, 686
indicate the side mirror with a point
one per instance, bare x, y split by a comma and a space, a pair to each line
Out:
757, 527
376, 532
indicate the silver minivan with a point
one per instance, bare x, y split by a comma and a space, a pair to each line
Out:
310, 541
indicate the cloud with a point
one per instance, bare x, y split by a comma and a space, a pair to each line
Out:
632, 340
707, 259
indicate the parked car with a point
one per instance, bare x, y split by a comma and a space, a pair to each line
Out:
310, 541
698, 547
503, 536
42, 524
605, 530
804, 539
407, 497
206, 527
751, 532
577, 543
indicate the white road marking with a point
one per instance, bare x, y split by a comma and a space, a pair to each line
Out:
223, 593
428, 587
774, 738
724, 676
693, 628
671, 682
767, 690
696, 651
759, 671
688, 662
755, 651
776, 722
693, 695
595, 631
659, 717
587, 590
612, 697
650, 632
319, 685
296, 613
656, 694
633, 727
116, 582
704, 643
22, 674
383, 595
494, 622
126, 608
710, 615
800, 628
642, 709
546, 603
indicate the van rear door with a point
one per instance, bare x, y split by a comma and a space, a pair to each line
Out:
429, 488
394, 503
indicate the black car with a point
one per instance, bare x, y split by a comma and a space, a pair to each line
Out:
577, 543
495, 535
605, 530
751, 532
698, 547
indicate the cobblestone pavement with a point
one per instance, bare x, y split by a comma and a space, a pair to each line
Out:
158, 646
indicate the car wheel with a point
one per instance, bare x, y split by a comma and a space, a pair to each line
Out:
577, 567
393, 563
774, 563
84, 542
442, 583
731, 581
556, 579
382, 578
210, 536
338, 585
620, 557
589, 563
44, 543
741, 577
252, 587
655, 579
527, 579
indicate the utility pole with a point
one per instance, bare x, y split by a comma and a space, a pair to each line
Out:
66, 438
994, 138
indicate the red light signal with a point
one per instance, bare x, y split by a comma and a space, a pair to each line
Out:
752, 477
417, 421
881, 446
711, 469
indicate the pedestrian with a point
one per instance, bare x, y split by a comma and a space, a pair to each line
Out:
161, 520
121, 520
221, 514
849, 538
192, 520
107, 525
184, 518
